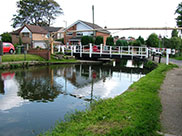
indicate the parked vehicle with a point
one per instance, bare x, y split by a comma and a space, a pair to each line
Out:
8, 48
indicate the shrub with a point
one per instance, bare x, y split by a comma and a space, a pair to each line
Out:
110, 41
99, 40
121, 43
86, 40
6, 37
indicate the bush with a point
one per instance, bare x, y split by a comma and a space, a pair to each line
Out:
99, 40
6, 37
110, 41
121, 43
86, 40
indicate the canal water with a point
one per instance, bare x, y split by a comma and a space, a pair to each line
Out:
32, 100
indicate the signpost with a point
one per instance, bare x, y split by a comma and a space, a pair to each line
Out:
168, 51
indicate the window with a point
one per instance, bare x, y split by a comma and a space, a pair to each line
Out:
6, 45
69, 33
25, 34
79, 34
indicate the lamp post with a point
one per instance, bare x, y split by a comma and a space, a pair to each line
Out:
65, 31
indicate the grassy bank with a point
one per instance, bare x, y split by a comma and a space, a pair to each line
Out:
178, 58
134, 113
21, 57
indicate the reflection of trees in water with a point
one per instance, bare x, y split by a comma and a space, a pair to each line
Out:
137, 63
2, 87
38, 85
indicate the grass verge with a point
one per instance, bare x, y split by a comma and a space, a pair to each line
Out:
134, 113
20, 57
178, 58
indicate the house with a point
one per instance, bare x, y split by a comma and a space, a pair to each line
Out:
59, 32
75, 37
30, 36
35, 36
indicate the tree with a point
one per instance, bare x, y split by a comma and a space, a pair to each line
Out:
136, 43
121, 43
174, 33
179, 17
6, 37
153, 40
36, 12
142, 41
166, 42
175, 43
99, 40
110, 41
86, 40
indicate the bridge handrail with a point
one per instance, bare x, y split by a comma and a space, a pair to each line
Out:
116, 50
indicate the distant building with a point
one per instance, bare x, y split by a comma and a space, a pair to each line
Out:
75, 37
59, 32
35, 36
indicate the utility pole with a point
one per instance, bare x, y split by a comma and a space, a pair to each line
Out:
93, 20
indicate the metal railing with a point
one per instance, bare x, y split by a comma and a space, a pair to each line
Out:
133, 51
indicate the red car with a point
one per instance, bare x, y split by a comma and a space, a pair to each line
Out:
8, 48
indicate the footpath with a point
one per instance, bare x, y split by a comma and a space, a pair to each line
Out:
171, 100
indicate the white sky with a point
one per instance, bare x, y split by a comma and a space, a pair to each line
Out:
110, 13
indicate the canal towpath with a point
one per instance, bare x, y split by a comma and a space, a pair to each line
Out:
171, 100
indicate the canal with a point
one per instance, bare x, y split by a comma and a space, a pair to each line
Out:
32, 100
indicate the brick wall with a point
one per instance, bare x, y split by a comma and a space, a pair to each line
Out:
67, 37
104, 35
15, 39
42, 53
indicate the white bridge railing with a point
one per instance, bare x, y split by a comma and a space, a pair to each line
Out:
133, 51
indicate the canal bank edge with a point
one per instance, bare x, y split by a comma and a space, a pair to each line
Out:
135, 112
26, 64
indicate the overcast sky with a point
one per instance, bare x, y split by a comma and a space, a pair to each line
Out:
110, 13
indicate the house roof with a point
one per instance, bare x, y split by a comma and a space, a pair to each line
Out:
52, 29
32, 28
90, 25
36, 29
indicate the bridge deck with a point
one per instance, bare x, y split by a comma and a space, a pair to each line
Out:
107, 51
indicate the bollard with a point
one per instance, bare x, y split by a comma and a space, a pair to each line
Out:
153, 57
160, 55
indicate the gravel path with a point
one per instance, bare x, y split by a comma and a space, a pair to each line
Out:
171, 100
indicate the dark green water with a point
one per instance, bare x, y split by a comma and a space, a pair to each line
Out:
32, 100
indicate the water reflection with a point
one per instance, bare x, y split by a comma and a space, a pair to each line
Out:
31, 100
9, 87
85, 82
38, 86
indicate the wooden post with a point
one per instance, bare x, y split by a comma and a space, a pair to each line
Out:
121, 52
110, 52
132, 52
62, 49
72, 51
80, 51
101, 49
147, 52
128, 49
52, 48
90, 53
